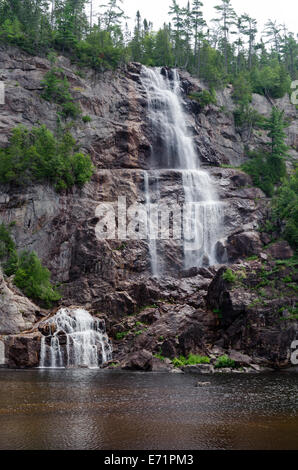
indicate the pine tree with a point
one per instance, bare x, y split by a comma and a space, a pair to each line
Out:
226, 19
113, 14
163, 52
272, 32
187, 32
198, 24
177, 14
289, 49
249, 29
276, 125
136, 43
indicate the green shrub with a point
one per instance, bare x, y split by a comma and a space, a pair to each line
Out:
121, 335
8, 253
193, 359
34, 279
86, 119
285, 209
179, 361
139, 332
268, 168
247, 115
57, 90
37, 156
271, 80
204, 97
159, 356
229, 276
242, 89
98, 51
252, 258
265, 170
224, 361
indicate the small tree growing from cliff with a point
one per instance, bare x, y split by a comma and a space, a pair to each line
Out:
34, 279
268, 168
8, 252
285, 209
57, 90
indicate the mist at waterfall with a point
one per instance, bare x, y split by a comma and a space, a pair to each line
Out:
173, 150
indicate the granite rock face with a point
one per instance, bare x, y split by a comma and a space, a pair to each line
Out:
61, 228
254, 311
112, 278
17, 313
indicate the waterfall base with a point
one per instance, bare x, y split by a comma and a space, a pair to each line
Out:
73, 338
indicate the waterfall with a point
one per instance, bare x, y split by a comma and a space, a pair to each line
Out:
150, 229
173, 149
73, 338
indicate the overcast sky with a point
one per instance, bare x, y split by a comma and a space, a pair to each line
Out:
284, 11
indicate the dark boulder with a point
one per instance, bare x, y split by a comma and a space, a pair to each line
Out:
280, 250
138, 360
23, 351
243, 244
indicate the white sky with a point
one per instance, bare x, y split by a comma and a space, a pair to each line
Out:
284, 11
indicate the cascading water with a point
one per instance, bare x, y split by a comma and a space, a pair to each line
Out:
74, 339
150, 230
174, 149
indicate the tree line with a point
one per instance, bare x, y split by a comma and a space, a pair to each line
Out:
219, 52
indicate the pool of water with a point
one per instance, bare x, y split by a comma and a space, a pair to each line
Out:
92, 409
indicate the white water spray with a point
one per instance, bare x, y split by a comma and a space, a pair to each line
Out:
174, 149
74, 339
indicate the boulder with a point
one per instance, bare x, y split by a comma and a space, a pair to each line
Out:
239, 358
138, 360
280, 250
161, 366
149, 315
243, 244
23, 350
199, 369
168, 348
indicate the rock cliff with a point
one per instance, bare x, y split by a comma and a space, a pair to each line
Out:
110, 278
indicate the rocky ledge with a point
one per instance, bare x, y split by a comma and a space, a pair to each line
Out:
245, 311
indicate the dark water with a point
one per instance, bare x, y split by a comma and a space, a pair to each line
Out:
88, 409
